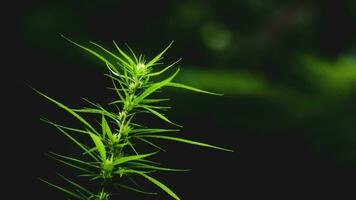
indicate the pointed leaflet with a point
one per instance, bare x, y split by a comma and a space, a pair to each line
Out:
139, 131
112, 54
64, 127
133, 189
158, 57
150, 143
124, 54
70, 164
77, 143
99, 145
73, 159
94, 53
106, 128
131, 158
63, 190
159, 115
75, 184
153, 100
68, 110
146, 166
132, 52
185, 141
154, 87
179, 85
157, 183
165, 69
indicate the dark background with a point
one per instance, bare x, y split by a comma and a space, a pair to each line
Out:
287, 69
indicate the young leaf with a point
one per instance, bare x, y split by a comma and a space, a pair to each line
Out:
165, 69
99, 144
106, 128
124, 54
102, 58
158, 57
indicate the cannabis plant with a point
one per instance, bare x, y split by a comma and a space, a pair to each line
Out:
111, 158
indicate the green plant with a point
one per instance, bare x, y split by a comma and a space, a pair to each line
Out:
112, 155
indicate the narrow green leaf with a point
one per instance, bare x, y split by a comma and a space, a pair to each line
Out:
179, 85
154, 87
68, 110
110, 53
131, 158
99, 145
139, 131
73, 159
157, 183
106, 128
165, 69
76, 142
64, 127
132, 52
92, 52
185, 141
133, 189
146, 166
160, 116
75, 184
70, 164
124, 54
150, 143
153, 100
63, 189
158, 57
